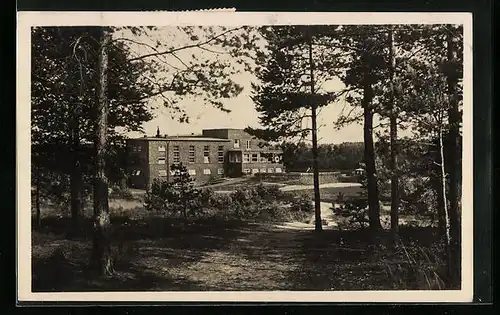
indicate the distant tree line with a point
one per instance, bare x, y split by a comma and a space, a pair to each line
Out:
345, 156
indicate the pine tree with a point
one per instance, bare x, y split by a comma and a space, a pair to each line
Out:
366, 67
186, 194
291, 75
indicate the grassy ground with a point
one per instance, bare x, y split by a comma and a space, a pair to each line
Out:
163, 254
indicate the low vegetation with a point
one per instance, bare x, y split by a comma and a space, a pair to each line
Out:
263, 203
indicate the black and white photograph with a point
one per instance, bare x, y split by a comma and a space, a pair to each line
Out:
313, 157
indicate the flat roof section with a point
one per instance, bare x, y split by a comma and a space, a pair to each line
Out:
182, 138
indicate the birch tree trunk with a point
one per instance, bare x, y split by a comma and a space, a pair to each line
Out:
37, 201
448, 249
454, 163
102, 223
393, 143
75, 177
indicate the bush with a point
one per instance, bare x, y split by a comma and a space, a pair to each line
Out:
259, 203
269, 192
117, 192
303, 204
355, 210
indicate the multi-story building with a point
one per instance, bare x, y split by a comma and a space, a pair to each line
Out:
213, 154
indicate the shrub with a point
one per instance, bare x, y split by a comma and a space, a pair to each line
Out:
177, 196
269, 192
118, 192
262, 202
302, 203
355, 210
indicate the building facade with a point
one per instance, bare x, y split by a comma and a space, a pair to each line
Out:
214, 154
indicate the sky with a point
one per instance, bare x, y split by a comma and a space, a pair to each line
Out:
243, 114
242, 110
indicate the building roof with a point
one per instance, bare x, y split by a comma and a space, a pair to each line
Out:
182, 138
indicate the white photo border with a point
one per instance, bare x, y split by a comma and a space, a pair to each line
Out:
26, 20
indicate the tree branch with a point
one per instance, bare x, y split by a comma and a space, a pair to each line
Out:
198, 45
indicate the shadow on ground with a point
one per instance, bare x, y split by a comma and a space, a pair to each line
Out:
168, 255
146, 253
350, 260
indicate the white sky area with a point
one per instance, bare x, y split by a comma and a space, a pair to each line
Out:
243, 113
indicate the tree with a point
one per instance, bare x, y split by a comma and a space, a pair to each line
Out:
365, 68
64, 86
290, 91
185, 193
216, 84
438, 71
393, 141
453, 73
102, 221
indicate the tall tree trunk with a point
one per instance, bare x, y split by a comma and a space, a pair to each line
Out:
75, 177
437, 186
371, 173
393, 143
37, 201
454, 162
449, 256
318, 225
102, 223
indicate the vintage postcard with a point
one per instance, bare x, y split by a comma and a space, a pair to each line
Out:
244, 157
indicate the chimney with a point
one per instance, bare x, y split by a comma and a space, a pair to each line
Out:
158, 132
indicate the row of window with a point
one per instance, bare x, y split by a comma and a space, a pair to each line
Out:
220, 171
236, 144
255, 158
192, 172
192, 154
262, 170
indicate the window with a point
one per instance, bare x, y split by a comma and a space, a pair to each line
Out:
246, 158
137, 173
176, 154
207, 171
161, 148
278, 170
192, 172
136, 148
263, 170
220, 154
249, 142
191, 155
247, 171
161, 160
255, 157
220, 171
255, 170
276, 159
270, 170
264, 159
236, 143
206, 154
162, 173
